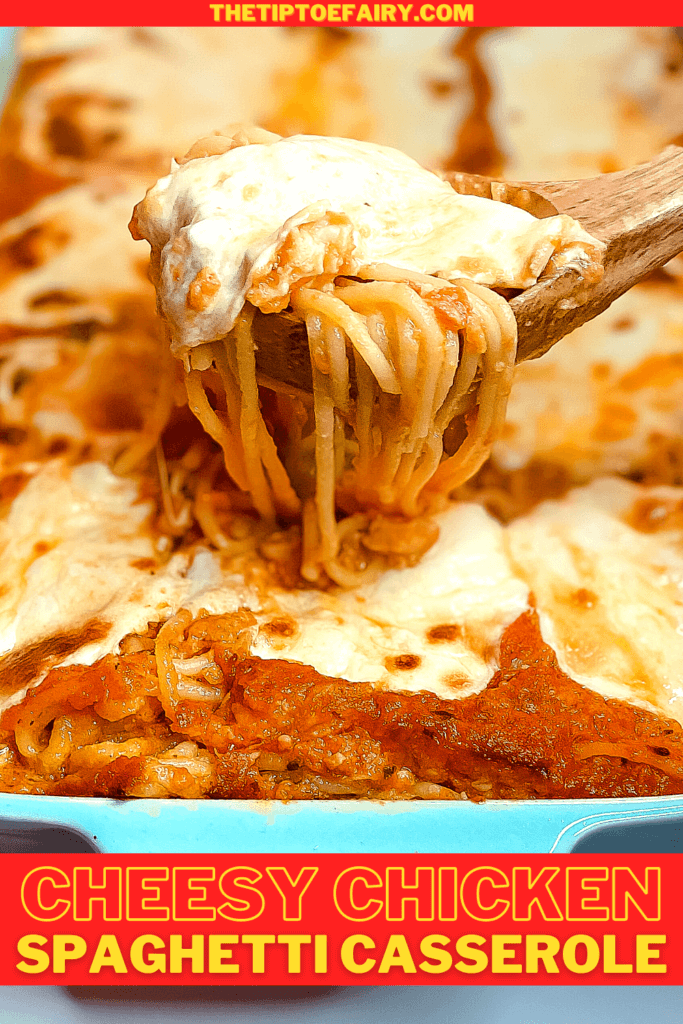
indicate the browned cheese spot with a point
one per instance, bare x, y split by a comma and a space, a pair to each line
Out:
33, 248
600, 371
84, 127
455, 681
650, 515
13, 436
446, 633
280, 628
145, 564
403, 662
54, 298
19, 668
440, 88
12, 485
58, 446
41, 547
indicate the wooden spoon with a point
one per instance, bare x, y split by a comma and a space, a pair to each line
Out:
638, 213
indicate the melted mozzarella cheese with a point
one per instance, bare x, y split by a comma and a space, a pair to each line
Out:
75, 547
610, 597
98, 565
231, 218
432, 627
69, 546
78, 229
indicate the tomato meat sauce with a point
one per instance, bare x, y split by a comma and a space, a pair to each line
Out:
184, 711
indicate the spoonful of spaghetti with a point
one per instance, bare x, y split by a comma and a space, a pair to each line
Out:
379, 306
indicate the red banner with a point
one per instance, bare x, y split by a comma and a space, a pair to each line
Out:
341, 920
353, 15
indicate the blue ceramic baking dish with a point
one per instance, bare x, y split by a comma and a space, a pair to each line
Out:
239, 826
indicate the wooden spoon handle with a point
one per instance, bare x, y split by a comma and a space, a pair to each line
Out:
647, 198
638, 213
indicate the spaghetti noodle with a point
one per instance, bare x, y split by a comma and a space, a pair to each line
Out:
409, 341
416, 348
